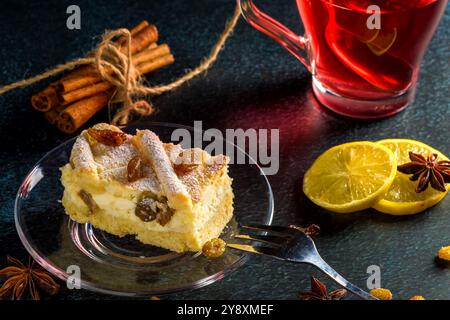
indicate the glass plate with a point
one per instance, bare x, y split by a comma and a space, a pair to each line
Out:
124, 266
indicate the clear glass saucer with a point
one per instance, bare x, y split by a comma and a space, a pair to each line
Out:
125, 266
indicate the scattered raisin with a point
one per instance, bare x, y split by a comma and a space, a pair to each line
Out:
108, 137
444, 253
135, 169
214, 248
381, 293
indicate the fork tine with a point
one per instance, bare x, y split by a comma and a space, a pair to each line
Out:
278, 229
272, 240
259, 250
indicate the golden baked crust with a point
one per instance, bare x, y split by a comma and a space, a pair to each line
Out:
189, 184
153, 151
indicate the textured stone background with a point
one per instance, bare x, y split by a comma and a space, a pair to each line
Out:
255, 83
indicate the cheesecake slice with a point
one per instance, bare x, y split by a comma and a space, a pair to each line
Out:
163, 194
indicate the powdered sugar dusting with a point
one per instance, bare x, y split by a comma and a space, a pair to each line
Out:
159, 176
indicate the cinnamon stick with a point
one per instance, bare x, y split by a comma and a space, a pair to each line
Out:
89, 69
144, 35
150, 54
71, 96
142, 59
158, 63
52, 116
45, 100
74, 83
78, 113
48, 98
141, 40
141, 25
79, 95
70, 118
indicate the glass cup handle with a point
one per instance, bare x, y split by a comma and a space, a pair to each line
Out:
294, 43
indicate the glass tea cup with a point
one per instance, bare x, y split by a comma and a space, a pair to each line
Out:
364, 55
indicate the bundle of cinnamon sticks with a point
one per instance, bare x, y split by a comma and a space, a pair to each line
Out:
72, 100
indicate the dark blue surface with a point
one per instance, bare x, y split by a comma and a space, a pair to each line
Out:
255, 83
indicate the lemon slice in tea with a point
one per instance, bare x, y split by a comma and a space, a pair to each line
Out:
350, 177
383, 41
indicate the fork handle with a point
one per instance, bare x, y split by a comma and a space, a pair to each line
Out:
319, 263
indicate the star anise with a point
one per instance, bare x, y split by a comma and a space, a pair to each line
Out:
319, 291
21, 277
429, 171
311, 230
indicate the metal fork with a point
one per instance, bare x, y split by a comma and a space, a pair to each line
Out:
290, 244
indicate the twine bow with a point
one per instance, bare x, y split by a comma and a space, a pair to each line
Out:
117, 68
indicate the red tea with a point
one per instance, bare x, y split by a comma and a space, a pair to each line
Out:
364, 55
352, 60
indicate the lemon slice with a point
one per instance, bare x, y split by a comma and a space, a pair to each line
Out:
350, 177
401, 198
370, 35
383, 41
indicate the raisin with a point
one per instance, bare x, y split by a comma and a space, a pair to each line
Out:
186, 162
417, 298
150, 208
146, 209
381, 293
184, 168
164, 216
135, 169
108, 137
88, 200
444, 253
214, 248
